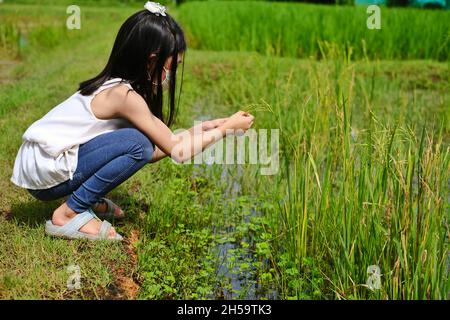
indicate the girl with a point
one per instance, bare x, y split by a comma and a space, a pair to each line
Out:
111, 127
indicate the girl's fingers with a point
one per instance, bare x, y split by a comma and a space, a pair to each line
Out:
211, 124
207, 125
220, 121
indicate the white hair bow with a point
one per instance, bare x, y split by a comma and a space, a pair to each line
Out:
156, 8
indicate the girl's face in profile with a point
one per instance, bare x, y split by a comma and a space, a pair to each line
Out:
168, 64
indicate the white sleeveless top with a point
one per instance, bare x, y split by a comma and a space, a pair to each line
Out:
39, 163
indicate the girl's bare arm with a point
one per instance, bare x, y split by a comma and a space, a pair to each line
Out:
178, 146
158, 154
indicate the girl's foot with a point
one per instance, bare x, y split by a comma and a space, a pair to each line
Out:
102, 207
64, 214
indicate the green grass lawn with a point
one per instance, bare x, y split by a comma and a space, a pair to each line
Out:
34, 266
188, 234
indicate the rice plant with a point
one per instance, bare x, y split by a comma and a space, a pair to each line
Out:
296, 30
360, 199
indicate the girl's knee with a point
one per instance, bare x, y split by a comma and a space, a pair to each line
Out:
144, 143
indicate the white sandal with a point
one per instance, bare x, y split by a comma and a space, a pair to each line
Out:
71, 229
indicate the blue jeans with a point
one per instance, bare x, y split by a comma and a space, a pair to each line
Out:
104, 162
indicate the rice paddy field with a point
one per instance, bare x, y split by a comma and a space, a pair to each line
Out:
357, 209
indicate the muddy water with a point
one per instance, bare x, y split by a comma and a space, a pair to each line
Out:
237, 277
233, 281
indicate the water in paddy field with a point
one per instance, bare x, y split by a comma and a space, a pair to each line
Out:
232, 281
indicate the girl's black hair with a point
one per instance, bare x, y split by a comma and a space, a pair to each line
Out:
140, 35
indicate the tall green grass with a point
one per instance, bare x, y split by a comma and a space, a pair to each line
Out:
378, 199
297, 30
357, 198
364, 175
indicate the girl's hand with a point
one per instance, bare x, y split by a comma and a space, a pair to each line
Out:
241, 120
212, 124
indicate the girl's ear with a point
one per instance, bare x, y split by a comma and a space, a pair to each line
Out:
151, 61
